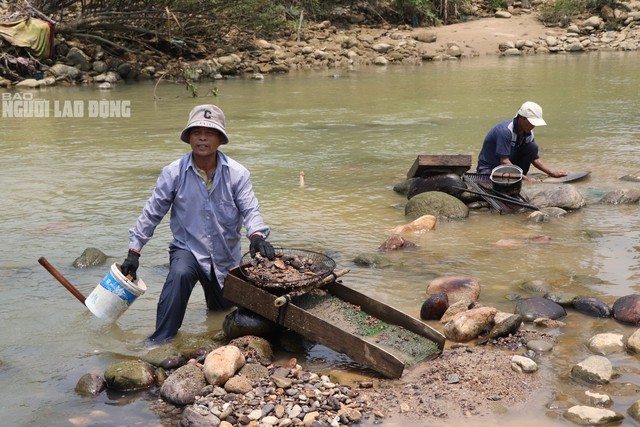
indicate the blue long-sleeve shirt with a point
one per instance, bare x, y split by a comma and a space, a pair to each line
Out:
205, 222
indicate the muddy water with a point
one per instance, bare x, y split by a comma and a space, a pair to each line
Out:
76, 181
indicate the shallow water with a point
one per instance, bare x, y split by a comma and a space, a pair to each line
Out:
77, 182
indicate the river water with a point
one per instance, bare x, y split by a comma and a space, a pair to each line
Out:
77, 181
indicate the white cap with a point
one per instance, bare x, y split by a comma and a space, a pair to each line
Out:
533, 113
208, 116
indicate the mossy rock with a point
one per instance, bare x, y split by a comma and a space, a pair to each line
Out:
436, 203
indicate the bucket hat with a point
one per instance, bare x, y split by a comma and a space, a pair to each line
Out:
208, 116
532, 112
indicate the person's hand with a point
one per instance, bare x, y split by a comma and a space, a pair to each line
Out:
259, 244
130, 264
558, 173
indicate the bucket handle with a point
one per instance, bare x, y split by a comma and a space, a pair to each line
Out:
508, 175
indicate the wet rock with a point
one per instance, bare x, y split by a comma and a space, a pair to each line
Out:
594, 370
633, 342
626, 309
468, 325
607, 343
587, 415
534, 308
165, 356
564, 196
621, 196
420, 225
130, 375
443, 182
222, 363
634, 410
125, 70
548, 323
506, 327
597, 399
565, 299
90, 385
592, 307
182, 387
454, 309
522, 364
438, 204
372, 260
457, 288
539, 346
536, 286
241, 322
90, 257
396, 243
403, 187
547, 214
434, 307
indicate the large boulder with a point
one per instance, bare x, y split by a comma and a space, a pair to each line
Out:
182, 387
222, 363
449, 183
457, 288
438, 204
468, 325
564, 196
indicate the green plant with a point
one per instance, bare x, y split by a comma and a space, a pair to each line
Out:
496, 4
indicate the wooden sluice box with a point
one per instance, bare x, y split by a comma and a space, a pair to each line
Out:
368, 331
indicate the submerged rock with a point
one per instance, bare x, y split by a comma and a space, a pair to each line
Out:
592, 307
90, 257
395, 243
90, 385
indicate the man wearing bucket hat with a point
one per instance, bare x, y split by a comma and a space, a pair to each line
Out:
210, 197
511, 142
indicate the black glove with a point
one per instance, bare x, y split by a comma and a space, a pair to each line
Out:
130, 264
259, 244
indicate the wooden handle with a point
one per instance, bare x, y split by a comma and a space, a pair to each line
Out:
55, 273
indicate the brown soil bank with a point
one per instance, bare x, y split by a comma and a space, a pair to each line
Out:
323, 45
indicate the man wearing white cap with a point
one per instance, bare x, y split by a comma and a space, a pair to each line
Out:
210, 197
511, 142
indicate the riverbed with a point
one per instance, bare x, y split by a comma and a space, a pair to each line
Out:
79, 181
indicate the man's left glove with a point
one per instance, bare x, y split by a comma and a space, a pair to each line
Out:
259, 244
130, 264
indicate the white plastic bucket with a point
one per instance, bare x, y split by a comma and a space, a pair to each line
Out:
114, 295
